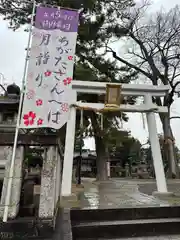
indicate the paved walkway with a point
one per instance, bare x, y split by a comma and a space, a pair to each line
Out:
117, 193
122, 193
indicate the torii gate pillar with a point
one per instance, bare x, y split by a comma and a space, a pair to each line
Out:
155, 148
69, 151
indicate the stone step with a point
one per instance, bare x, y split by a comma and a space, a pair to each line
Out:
90, 215
167, 237
125, 222
126, 229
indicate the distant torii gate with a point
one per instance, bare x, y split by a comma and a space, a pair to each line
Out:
148, 107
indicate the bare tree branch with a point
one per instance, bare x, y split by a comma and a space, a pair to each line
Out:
127, 63
175, 117
157, 47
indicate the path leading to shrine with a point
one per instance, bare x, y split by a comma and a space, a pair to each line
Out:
121, 193
122, 208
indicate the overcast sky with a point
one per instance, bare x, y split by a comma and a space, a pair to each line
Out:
12, 57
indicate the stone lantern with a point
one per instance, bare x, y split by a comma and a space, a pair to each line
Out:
9, 103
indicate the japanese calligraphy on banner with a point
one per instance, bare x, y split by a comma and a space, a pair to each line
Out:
50, 71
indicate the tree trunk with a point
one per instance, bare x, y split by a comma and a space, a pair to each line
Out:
176, 166
101, 160
169, 147
101, 163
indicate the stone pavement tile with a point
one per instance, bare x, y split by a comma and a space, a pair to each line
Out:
174, 237
117, 193
114, 194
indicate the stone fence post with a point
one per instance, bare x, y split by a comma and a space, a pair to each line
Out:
16, 182
48, 186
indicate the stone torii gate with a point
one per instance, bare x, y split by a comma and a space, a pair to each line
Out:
148, 107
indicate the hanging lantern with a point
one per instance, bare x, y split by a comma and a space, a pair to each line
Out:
113, 95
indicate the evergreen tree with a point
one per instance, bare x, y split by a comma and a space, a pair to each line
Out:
97, 19
163, 145
124, 146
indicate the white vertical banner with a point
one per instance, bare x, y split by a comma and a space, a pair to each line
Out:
49, 77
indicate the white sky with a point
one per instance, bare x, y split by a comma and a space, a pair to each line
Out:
12, 58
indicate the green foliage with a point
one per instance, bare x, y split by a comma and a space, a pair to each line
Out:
125, 147
148, 154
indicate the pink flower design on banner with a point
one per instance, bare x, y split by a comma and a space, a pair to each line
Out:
29, 118
65, 107
40, 121
39, 102
70, 57
67, 81
30, 75
30, 94
47, 73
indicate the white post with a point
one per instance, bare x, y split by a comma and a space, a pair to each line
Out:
69, 151
155, 148
11, 171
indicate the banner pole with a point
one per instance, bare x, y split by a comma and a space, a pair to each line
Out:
11, 171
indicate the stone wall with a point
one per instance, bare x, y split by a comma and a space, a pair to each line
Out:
16, 182
50, 182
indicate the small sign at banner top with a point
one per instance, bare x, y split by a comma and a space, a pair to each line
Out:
53, 18
50, 71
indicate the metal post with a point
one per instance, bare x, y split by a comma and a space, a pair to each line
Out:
155, 148
11, 171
